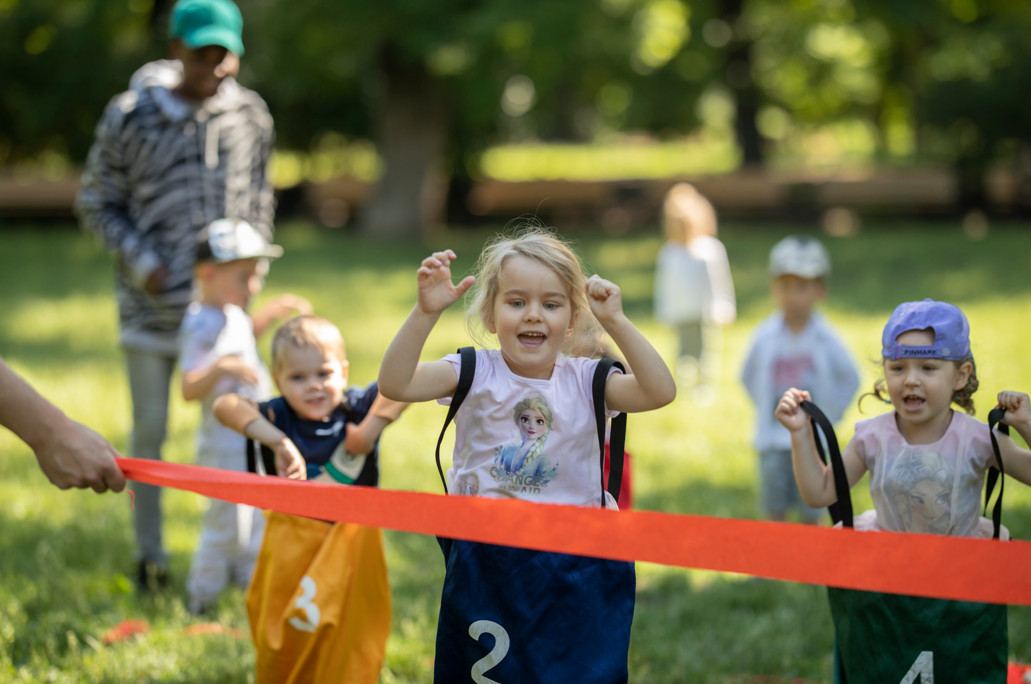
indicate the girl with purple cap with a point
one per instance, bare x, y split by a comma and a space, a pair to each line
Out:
928, 367
927, 465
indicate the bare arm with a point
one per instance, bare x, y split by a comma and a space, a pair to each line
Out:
69, 453
815, 479
362, 438
401, 376
199, 382
243, 416
277, 309
650, 385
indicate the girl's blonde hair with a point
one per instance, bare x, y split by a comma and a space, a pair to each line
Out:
307, 332
962, 397
686, 214
545, 247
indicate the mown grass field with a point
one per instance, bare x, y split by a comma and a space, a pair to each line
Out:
66, 557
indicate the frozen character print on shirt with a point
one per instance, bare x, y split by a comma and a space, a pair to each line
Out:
524, 467
922, 483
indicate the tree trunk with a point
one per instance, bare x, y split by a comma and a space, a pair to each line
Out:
738, 71
410, 136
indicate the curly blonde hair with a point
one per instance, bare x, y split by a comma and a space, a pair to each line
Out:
542, 245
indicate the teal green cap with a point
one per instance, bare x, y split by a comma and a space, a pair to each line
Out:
199, 23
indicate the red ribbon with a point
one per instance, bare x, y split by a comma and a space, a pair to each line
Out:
956, 568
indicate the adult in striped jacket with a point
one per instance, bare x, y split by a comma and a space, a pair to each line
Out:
185, 145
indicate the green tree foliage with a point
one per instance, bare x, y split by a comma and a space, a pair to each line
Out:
62, 61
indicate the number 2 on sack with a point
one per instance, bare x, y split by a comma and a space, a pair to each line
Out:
496, 655
305, 603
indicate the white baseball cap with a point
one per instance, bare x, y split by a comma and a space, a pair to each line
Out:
801, 256
230, 239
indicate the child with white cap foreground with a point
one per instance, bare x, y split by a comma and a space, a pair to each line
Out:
794, 347
219, 355
927, 463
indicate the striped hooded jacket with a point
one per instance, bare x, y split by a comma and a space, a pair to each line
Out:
159, 171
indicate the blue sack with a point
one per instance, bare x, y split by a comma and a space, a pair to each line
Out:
517, 615
511, 615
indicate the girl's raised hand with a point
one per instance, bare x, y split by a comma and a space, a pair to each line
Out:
605, 298
436, 291
1018, 408
789, 411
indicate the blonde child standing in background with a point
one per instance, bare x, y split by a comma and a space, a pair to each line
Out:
532, 294
794, 347
218, 354
694, 290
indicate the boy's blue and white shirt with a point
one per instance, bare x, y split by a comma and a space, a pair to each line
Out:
159, 171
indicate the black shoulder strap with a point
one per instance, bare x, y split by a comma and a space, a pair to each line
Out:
617, 436
465, 381
841, 510
256, 449
993, 475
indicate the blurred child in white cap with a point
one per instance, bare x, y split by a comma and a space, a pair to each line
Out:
794, 347
218, 354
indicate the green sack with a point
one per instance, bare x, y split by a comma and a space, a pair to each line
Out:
889, 639
892, 639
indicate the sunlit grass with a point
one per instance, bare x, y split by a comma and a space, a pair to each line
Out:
65, 557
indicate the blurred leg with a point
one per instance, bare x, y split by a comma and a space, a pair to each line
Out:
150, 377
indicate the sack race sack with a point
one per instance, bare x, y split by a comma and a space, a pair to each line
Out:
889, 638
319, 602
519, 615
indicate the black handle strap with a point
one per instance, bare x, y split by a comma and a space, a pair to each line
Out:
617, 436
465, 381
256, 450
840, 510
994, 419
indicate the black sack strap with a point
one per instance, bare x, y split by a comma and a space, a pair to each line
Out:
617, 436
256, 449
993, 475
840, 510
465, 381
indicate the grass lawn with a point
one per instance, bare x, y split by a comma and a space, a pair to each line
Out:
66, 557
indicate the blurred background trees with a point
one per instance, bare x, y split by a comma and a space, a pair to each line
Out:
419, 93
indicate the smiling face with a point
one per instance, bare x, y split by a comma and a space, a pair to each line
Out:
532, 424
311, 380
533, 316
921, 389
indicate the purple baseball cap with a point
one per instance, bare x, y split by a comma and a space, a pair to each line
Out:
946, 321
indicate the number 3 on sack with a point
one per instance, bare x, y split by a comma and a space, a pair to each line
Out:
922, 669
305, 603
496, 655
